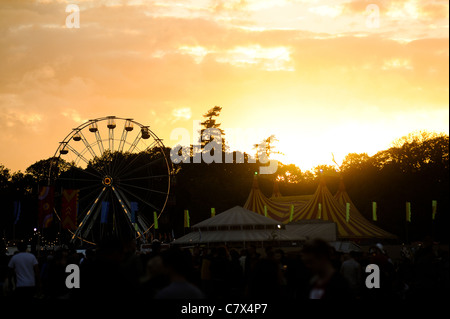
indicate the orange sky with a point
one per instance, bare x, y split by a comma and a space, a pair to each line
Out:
311, 72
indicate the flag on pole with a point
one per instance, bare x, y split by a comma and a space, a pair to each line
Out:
319, 208
187, 222
104, 215
374, 211
46, 206
17, 211
213, 212
291, 215
155, 220
347, 212
408, 211
69, 209
433, 206
265, 210
134, 206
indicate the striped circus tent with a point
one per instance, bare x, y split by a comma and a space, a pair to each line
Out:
279, 211
343, 198
325, 206
276, 190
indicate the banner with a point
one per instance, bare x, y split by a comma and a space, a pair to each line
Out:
155, 220
134, 206
17, 211
291, 215
374, 211
408, 211
213, 212
319, 209
69, 209
46, 206
265, 210
105, 210
433, 207
347, 212
187, 222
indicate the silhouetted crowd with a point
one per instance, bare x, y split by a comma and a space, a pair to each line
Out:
116, 270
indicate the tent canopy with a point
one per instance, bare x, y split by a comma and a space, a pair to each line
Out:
237, 216
321, 205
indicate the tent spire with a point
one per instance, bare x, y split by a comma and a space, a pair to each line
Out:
276, 190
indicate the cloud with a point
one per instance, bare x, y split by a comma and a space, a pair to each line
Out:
161, 64
183, 113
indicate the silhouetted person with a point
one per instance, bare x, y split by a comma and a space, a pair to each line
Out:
104, 278
265, 280
220, 274
26, 268
55, 282
154, 280
3, 266
424, 283
178, 268
351, 270
326, 283
236, 275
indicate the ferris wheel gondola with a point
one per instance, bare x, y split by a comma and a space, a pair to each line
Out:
109, 161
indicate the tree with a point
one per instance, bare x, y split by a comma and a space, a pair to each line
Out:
354, 161
211, 123
325, 170
267, 146
40, 171
5, 177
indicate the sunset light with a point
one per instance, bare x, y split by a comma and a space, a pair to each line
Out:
315, 74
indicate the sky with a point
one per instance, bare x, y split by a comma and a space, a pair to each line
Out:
323, 76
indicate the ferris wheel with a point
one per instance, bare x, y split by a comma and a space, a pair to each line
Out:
121, 173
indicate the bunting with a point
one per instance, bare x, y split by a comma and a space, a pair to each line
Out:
187, 222
104, 214
347, 212
69, 208
134, 207
46, 206
433, 209
155, 220
408, 211
374, 211
17, 211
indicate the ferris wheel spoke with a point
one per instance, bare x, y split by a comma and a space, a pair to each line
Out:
135, 143
139, 198
86, 171
87, 196
136, 157
143, 188
111, 140
139, 220
88, 214
141, 167
99, 142
78, 179
78, 154
124, 203
141, 178
86, 143
123, 138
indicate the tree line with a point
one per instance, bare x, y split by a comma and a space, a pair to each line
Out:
414, 169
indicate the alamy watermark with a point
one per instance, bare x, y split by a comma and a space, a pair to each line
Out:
373, 16
211, 152
73, 19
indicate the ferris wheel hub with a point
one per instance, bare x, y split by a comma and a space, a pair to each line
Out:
107, 180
